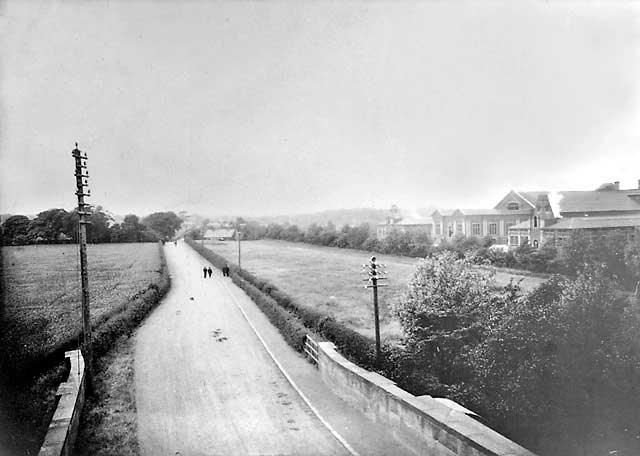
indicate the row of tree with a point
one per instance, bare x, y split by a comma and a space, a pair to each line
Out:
59, 226
618, 251
362, 237
557, 369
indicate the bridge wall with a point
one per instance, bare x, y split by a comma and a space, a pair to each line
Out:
423, 424
63, 428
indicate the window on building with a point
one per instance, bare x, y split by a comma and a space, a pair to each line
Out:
475, 229
450, 227
493, 229
437, 228
458, 227
535, 221
508, 225
513, 240
513, 206
535, 244
524, 240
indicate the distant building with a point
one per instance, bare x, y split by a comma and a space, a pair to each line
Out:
524, 217
220, 234
409, 225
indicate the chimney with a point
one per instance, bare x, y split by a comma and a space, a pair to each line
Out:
616, 185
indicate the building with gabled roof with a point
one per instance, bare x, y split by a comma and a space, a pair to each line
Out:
534, 217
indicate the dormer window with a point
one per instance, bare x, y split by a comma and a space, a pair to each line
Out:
513, 206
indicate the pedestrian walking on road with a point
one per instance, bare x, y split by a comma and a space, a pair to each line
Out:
210, 271
225, 270
204, 270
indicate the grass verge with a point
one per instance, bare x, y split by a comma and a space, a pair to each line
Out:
109, 424
108, 421
27, 397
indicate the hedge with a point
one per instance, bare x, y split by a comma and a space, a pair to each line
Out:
294, 320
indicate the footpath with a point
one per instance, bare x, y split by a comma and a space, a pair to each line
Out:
362, 436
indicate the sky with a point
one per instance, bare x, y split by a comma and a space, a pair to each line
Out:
265, 108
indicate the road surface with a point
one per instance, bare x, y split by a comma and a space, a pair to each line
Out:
205, 385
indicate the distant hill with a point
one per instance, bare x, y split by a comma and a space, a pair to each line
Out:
338, 217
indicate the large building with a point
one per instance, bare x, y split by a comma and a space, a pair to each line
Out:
531, 217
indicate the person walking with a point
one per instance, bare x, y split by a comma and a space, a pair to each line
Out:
210, 271
204, 270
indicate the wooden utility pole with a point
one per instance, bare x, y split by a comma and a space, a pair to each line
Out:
82, 180
239, 234
375, 273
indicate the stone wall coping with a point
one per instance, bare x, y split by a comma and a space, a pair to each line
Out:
63, 428
475, 434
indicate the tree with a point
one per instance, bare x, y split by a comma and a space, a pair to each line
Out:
274, 231
556, 365
98, 228
314, 233
164, 223
397, 243
358, 235
48, 225
131, 229
15, 229
440, 313
583, 249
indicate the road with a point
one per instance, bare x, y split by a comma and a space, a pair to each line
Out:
205, 384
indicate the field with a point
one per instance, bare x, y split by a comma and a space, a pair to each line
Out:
42, 313
43, 299
330, 278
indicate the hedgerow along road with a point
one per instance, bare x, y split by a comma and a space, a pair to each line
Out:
205, 385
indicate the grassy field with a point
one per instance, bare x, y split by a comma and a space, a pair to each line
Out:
43, 300
330, 278
42, 312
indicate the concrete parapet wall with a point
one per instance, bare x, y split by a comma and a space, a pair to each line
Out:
63, 428
422, 424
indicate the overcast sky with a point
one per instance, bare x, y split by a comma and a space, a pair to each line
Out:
260, 108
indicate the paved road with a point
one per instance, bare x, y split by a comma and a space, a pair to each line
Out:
205, 385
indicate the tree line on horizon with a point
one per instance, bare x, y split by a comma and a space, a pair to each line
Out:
620, 251
58, 226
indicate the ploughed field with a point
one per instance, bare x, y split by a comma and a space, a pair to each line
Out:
42, 287
331, 279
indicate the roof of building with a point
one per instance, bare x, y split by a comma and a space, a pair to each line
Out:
495, 211
445, 212
410, 221
521, 226
597, 201
531, 197
416, 221
586, 223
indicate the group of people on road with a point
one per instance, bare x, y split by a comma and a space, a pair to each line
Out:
207, 271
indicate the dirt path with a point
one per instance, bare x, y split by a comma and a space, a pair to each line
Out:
205, 385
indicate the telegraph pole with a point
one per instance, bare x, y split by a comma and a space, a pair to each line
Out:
375, 272
82, 180
240, 225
